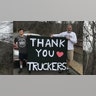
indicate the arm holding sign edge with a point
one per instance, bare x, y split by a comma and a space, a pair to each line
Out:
62, 34
73, 39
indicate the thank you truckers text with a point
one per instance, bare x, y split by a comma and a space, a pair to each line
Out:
46, 53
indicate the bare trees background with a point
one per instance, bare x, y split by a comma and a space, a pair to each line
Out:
48, 27
89, 38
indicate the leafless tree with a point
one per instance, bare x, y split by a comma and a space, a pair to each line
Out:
90, 36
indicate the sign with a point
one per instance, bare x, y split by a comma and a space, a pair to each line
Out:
46, 53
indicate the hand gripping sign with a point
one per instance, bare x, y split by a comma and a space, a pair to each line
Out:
46, 53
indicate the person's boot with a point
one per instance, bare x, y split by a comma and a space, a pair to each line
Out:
68, 71
29, 72
20, 70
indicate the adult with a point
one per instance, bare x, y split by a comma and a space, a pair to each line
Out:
72, 39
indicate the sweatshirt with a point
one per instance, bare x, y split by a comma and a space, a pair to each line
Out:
71, 41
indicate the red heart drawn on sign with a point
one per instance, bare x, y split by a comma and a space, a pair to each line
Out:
59, 54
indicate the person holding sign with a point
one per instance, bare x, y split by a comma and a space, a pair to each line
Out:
72, 39
20, 43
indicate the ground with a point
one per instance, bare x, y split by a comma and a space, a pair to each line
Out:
25, 72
